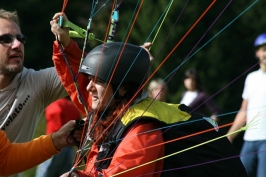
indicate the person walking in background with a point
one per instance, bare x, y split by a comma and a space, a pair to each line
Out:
24, 93
158, 89
253, 152
57, 114
196, 97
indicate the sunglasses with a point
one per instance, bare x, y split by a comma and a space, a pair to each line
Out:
9, 38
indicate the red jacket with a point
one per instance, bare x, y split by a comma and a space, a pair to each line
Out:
131, 152
74, 55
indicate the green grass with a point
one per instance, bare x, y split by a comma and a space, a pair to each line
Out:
41, 128
39, 131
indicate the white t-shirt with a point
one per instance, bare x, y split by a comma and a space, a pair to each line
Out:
189, 96
255, 93
24, 100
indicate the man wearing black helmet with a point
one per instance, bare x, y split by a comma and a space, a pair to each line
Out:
252, 112
128, 129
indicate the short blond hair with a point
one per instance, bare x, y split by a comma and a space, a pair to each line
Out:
156, 82
8, 15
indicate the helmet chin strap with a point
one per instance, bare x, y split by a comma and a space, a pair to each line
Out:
115, 90
119, 93
127, 93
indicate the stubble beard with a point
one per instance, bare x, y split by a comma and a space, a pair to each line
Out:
10, 69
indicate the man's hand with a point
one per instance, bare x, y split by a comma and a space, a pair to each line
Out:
146, 46
73, 174
59, 137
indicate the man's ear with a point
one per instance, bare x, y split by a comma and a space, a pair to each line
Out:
122, 91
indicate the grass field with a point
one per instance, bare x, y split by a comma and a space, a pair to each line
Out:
39, 131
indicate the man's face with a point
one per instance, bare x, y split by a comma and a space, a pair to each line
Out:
12, 53
159, 92
190, 84
261, 54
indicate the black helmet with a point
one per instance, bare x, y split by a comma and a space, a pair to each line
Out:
132, 67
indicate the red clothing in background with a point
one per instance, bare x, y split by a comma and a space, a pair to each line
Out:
58, 113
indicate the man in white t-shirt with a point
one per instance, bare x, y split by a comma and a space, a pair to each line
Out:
24, 93
253, 113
